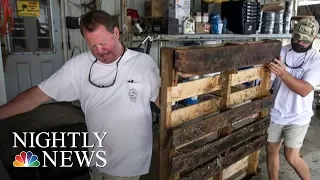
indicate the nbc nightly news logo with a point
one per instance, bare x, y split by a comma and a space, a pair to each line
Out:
28, 159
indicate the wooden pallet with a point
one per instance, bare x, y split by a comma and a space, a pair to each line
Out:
219, 137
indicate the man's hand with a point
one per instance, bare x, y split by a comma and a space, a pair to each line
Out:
278, 68
298, 86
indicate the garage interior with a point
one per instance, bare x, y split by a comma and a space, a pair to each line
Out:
60, 40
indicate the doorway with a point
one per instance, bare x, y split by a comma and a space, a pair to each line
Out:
35, 47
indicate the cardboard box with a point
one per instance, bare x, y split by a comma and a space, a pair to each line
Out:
117, 20
203, 28
153, 8
177, 9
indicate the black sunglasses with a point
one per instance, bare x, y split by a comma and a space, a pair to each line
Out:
114, 80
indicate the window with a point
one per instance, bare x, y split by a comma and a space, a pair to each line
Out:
32, 34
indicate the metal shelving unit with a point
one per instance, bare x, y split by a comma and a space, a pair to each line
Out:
199, 37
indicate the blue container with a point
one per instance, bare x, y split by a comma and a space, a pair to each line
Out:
216, 24
194, 99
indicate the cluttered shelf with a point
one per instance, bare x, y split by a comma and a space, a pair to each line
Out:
188, 37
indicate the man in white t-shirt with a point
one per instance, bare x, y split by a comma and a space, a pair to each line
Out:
115, 86
294, 76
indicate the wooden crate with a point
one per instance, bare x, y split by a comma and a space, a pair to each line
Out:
219, 137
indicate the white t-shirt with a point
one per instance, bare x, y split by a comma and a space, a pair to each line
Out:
122, 110
290, 107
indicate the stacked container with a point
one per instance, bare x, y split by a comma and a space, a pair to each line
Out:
287, 16
243, 16
278, 23
268, 20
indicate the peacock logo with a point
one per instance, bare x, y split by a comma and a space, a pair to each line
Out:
26, 160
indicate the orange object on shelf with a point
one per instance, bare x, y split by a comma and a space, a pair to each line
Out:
6, 24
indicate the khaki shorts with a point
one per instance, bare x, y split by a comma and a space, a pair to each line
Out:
95, 174
293, 135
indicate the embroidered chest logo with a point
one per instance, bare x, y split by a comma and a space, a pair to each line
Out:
133, 93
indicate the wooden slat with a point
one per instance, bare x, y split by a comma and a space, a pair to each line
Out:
253, 163
245, 95
263, 91
265, 82
226, 78
239, 124
236, 167
189, 113
211, 123
204, 60
225, 90
165, 133
194, 88
240, 175
205, 153
246, 75
212, 167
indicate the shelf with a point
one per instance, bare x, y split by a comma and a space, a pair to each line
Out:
199, 37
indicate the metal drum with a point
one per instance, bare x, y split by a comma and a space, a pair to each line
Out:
288, 6
268, 21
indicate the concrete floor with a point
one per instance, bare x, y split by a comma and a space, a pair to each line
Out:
48, 116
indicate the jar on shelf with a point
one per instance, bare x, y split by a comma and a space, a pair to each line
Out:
197, 17
205, 18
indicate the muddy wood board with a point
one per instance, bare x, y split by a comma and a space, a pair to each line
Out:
204, 60
218, 138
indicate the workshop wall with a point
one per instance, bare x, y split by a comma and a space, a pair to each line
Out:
75, 44
72, 39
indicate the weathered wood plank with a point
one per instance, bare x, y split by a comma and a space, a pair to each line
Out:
204, 60
211, 123
225, 90
192, 145
165, 132
213, 167
235, 168
226, 78
239, 124
189, 113
263, 91
253, 163
265, 82
238, 175
245, 95
246, 75
193, 159
194, 88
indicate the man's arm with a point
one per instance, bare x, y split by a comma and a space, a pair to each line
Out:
298, 86
24, 102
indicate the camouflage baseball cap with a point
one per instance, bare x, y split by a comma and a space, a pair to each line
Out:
306, 30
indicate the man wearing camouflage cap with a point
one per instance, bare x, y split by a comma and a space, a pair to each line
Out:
294, 76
